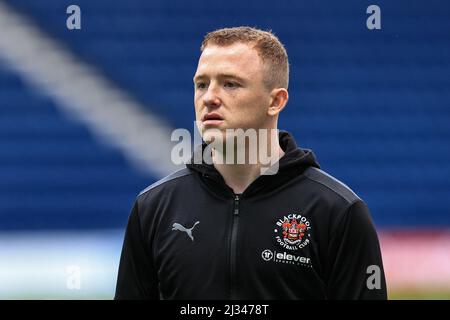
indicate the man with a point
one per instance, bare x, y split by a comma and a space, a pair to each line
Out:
226, 231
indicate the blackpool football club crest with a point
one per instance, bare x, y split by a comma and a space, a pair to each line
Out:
292, 232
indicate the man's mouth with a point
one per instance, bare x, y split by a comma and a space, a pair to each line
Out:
212, 119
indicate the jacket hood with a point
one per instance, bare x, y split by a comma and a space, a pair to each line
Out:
294, 161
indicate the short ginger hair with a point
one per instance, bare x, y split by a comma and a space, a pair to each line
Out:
270, 49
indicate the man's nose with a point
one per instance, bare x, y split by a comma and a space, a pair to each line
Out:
211, 98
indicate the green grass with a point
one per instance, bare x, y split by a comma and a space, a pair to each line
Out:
415, 294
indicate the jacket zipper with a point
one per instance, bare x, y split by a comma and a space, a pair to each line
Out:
233, 247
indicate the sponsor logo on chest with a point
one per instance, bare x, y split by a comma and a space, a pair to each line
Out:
283, 257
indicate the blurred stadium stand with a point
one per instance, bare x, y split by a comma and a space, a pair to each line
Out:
55, 175
373, 105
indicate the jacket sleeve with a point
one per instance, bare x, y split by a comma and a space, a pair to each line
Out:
136, 278
356, 267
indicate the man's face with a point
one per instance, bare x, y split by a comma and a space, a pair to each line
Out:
229, 89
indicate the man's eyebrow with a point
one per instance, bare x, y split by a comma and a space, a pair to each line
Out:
221, 75
199, 77
230, 75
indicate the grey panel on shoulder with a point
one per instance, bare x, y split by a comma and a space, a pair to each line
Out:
177, 174
332, 183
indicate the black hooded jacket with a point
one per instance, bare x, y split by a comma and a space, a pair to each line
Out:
298, 234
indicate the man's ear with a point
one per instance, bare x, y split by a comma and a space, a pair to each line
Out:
278, 100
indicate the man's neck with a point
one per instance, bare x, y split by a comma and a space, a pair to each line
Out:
239, 176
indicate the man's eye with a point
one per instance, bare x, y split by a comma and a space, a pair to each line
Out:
230, 84
200, 85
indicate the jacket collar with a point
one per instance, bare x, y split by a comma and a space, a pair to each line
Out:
294, 161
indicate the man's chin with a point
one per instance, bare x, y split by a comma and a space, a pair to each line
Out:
210, 135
